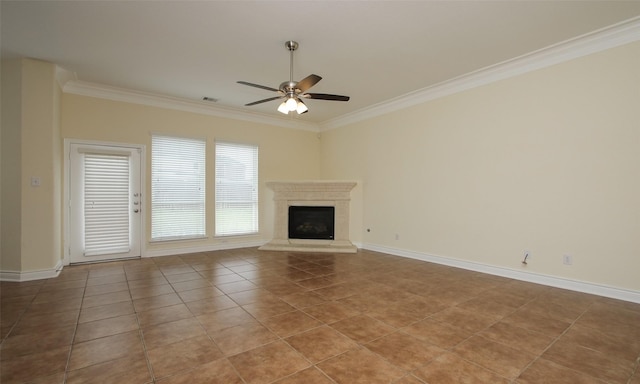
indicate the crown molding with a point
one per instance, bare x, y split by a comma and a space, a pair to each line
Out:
610, 37
102, 91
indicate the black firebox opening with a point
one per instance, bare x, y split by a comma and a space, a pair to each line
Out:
311, 222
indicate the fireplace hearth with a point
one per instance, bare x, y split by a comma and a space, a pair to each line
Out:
308, 233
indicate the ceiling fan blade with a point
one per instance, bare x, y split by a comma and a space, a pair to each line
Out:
308, 82
263, 101
325, 96
258, 86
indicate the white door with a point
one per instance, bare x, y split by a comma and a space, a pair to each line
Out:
104, 202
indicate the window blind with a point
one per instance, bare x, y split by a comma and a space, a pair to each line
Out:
177, 188
106, 204
236, 189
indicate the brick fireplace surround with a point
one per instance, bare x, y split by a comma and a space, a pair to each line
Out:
321, 193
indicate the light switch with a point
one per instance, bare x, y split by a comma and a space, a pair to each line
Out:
35, 181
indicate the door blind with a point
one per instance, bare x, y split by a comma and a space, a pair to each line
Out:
106, 204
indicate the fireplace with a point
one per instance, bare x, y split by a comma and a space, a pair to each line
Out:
313, 199
311, 222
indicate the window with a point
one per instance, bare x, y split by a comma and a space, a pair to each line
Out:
236, 189
177, 188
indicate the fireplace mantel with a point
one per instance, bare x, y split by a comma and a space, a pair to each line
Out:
311, 193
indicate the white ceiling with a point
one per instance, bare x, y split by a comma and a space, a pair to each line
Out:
372, 51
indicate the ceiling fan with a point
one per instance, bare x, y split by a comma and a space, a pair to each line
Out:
293, 91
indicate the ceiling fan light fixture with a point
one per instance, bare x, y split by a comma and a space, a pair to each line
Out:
283, 108
302, 108
292, 104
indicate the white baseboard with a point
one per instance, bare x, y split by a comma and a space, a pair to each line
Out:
18, 276
203, 248
552, 281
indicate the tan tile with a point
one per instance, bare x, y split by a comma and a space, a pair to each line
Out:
218, 277
593, 363
66, 305
183, 355
147, 280
518, 338
490, 306
360, 366
56, 378
216, 372
254, 296
321, 343
470, 321
176, 269
177, 278
35, 341
191, 284
537, 323
160, 301
226, 318
171, 332
163, 315
452, 369
264, 310
404, 351
612, 318
211, 304
106, 298
242, 337
38, 322
440, 334
545, 371
132, 369
199, 294
308, 376
150, 291
47, 295
409, 379
268, 363
506, 361
290, 323
105, 327
362, 329
330, 312
303, 299
105, 288
235, 287
34, 366
106, 311
105, 349
608, 342
552, 310
338, 291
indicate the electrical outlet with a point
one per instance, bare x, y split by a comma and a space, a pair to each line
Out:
567, 260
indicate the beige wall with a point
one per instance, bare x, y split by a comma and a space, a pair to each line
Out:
31, 215
11, 221
284, 154
548, 161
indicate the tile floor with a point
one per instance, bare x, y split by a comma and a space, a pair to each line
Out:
248, 316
